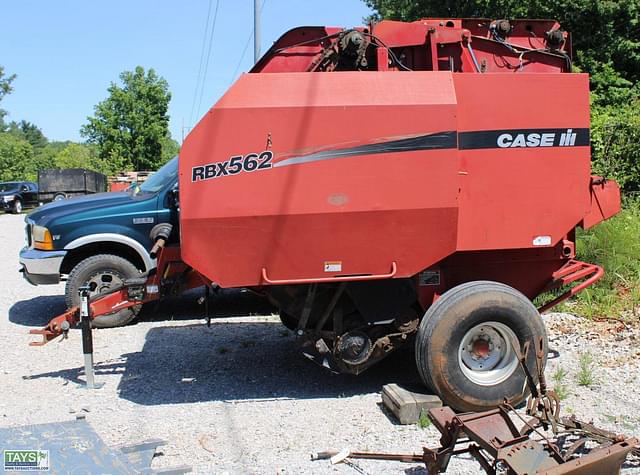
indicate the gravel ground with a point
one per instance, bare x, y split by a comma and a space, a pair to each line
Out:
238, 398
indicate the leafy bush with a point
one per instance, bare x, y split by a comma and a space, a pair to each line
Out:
615, 142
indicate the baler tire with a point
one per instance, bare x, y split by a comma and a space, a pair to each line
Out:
107, 264
445, 327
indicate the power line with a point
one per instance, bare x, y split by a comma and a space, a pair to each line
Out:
246, 46
202, 48
244, 51
206, 66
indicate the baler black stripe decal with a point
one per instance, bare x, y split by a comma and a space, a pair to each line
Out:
489, 138
440, 140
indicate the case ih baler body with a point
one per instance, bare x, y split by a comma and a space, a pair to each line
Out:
357, 176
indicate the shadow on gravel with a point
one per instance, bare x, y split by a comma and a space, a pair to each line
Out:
238, 361
228, 361
37, 312
222, 304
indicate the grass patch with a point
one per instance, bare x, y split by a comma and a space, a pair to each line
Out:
615, 245
585, 373
423, 421
558, 383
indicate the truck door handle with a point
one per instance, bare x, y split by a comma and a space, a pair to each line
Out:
346, 278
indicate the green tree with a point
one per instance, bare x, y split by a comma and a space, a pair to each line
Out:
5, 88
16, 158
30, 132
132, 124
170, 149
75, 155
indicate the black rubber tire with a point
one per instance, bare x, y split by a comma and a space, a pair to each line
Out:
102, 264
17, 206
447, 321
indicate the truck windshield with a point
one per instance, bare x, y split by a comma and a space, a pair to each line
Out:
167, 175
8, 187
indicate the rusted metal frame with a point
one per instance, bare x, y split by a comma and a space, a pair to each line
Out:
553, 447
574, 425
571, 272
577, 445
474, 450
601, 460
488, 429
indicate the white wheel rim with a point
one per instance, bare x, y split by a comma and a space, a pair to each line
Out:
19, 207
485, 354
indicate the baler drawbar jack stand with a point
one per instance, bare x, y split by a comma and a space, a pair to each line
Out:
87, 338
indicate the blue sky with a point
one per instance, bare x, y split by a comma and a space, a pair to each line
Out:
67, 52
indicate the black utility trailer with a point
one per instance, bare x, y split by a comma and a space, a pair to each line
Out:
54, 184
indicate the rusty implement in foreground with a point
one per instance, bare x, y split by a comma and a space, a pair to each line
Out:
493, 439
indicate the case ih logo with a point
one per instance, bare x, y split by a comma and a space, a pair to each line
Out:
523, 138
534, 139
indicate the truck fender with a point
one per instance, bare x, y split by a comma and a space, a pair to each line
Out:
149, 263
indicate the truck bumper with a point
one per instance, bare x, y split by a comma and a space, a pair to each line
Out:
41, 267
6, 205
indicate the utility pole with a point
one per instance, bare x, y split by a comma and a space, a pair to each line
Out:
256, 31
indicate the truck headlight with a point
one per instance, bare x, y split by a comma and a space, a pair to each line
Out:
42, 238
8, 198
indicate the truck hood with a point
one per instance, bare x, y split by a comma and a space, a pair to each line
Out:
58, 209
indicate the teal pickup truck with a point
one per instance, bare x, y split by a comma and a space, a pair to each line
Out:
99, 240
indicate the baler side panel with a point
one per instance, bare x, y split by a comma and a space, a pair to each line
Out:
512, 196
364, 209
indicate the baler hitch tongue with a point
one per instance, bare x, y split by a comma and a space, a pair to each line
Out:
59, 325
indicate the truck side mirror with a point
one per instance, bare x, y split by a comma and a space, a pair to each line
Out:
174, 198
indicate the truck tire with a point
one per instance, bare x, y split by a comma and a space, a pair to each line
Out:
17, 206
104, 272
462, 345
59, 197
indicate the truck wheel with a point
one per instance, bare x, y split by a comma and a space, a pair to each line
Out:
59, 197
17, 206
463, 349
103, 272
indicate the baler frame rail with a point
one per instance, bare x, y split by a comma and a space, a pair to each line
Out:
571, 272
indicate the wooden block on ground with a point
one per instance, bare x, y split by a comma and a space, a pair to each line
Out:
406, 404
